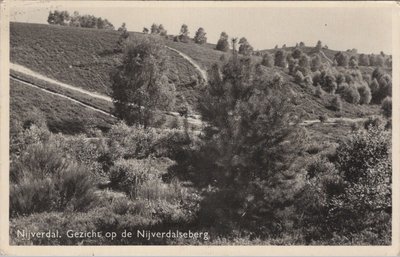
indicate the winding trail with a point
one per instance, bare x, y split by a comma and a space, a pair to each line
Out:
29, 72
326, 57
191, 119
61, 95
202, 72
332, 121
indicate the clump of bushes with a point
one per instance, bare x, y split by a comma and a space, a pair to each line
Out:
351, 95
45, 180
76, 20
348, 199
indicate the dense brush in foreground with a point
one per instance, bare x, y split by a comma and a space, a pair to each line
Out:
253, 176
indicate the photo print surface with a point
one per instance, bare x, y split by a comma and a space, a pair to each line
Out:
200, 124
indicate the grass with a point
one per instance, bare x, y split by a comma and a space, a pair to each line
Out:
61, 114
95, 102
85, 58
70, 55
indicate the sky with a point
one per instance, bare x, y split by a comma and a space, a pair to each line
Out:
367, 28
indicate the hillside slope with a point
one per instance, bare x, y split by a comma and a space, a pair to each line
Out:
84, 58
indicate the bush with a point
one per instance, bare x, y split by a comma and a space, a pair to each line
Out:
268, 60
319, 91
200, 36
139, 142
319, 166
223, 44
128, 175
323, 118
44, 180
386, 107
350, 94
349, 202
373, 121
364, 150
298, 78
365, 94
336, 103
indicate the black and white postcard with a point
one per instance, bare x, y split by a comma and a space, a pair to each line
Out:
199, 128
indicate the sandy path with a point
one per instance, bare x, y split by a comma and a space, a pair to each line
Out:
24, 70
202, 72
63, 96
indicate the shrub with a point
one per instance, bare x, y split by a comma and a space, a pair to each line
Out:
323, 118
364, 150
268, 60
373, 121
350, 201
200, 37
139, 142
299, 77
280, 60
316, 63
44, 180
223, 44
336, 103
319, 92
329, 83
318, 166
350, 94
365, 94
128, 175
386, 107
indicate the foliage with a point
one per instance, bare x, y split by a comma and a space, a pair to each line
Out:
363, 60
184, 34
318, 47
387, 107
123, 39
336, 103
319, 91
58, 17
122, 28
342, 59
365, 94
268, 60
200, 36
299, 78
140, 87
316, 63
85, 21
280, 60
244, 47
43, 180
350, 200
223, 44
381, 85
351, 95
248, 151
364, 150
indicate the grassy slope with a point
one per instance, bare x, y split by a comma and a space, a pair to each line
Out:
61, 114
95, 102
70, 55
83, 57
78, 56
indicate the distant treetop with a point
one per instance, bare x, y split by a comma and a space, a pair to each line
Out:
63, 18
